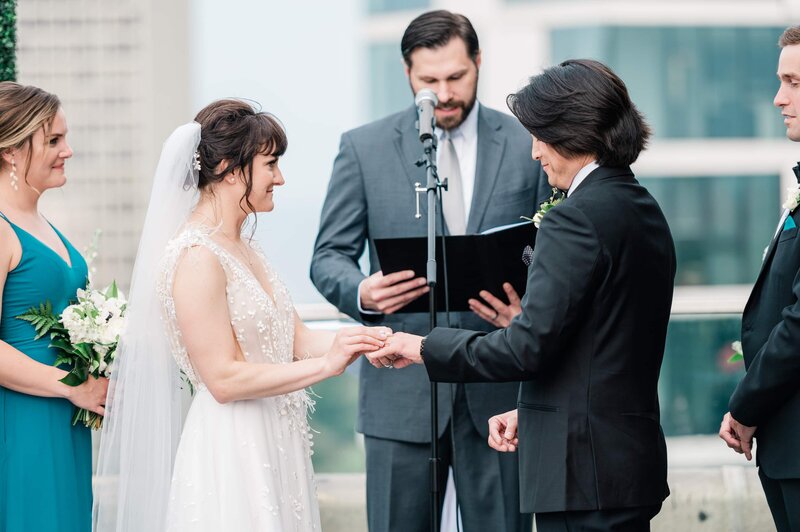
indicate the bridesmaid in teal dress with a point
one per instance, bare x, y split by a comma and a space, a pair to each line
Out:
45, 462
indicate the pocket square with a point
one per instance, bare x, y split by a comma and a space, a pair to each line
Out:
789, 223
527, 255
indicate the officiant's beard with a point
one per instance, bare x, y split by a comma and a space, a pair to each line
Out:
452, 122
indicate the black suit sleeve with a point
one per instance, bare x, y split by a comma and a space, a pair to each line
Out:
567, 265
773, 376
342, 233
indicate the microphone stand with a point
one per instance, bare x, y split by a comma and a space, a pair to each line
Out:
432, 190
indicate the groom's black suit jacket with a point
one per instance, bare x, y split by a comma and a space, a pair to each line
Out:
588, 346
768, 397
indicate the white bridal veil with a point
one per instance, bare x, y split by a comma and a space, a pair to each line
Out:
143, 412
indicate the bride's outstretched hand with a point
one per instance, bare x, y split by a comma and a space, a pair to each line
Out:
401, 350
352, 342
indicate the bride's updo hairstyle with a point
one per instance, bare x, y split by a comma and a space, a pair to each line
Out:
234, 131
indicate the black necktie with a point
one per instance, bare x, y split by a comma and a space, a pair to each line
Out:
796, 171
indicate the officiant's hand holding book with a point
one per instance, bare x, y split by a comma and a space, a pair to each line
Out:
477, 267
387, 294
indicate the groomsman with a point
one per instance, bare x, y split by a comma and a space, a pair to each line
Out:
766, 403
485, 155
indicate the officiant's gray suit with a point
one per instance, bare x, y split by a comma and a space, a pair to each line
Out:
371, 195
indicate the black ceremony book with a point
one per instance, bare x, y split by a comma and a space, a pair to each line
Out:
474, 263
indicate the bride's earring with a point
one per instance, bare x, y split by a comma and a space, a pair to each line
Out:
14, 178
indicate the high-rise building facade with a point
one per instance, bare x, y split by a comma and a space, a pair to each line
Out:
121, 70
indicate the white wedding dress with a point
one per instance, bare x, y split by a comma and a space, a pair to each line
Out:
244, 466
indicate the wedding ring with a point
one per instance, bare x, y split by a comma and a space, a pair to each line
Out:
495, 315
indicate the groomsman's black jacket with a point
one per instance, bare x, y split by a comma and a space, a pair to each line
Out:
588, 346
768, 397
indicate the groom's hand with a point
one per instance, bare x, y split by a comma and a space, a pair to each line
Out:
400, 350
496, 311
350, 343
503, 432
738, 437
389, 293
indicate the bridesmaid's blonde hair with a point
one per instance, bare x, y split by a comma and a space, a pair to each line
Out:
23, 110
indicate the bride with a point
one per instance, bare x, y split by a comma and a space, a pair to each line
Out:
210, 298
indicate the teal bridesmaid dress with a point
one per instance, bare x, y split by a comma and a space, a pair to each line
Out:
45, 462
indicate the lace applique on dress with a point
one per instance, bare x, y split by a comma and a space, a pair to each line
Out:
263, 324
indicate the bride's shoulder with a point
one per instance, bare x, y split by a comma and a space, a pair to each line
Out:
193, 247
190, 235
198, 269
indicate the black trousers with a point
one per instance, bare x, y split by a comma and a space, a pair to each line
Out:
487, 482
783, 497
635, 519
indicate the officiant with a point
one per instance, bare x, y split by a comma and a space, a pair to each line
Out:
485, 155
589, 341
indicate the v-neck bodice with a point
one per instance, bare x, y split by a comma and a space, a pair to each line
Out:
41, 276
263, 323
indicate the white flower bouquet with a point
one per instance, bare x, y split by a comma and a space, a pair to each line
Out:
86, 335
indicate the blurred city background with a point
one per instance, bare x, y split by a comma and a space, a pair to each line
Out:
703, 73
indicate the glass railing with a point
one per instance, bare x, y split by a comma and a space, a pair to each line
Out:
696, 377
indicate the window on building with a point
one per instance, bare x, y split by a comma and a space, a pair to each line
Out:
380, 6
696, 378
690, 82
720, 224
389, 89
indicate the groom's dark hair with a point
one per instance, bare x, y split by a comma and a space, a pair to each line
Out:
235, 131
580, 107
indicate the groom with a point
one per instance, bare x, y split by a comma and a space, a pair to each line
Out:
768, 397
590, 339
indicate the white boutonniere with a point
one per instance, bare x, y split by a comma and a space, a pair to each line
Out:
738, 352
555, 198
792, 197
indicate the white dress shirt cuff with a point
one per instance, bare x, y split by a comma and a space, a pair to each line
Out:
361, 309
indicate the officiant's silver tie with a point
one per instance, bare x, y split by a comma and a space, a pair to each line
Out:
453, 197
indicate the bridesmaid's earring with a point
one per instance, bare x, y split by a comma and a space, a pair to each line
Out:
14, 178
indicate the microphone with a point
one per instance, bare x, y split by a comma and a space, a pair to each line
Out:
426, 101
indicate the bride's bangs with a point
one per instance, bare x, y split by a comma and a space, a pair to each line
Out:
271, 135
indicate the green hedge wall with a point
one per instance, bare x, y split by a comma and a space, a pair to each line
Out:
8, 40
